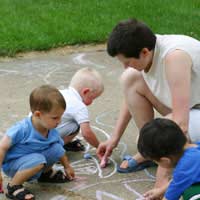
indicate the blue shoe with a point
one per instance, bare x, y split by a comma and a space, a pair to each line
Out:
133, 166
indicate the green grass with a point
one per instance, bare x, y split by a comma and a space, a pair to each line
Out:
43, 24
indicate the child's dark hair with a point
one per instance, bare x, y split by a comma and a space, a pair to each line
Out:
129, 37
45, 97
161, 138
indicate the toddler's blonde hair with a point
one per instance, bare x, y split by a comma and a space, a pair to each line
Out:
87, 78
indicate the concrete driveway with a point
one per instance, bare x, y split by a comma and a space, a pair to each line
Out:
19, 75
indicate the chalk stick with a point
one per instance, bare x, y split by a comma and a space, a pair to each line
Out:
87, 156
103, 162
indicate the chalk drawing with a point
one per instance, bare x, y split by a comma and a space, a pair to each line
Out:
102, 115
48, 76
100, 194
102, 131
128, 187
92, 167
59, 197
47, 71
4, 72
149, 174
42, 64
124, 182
79, 59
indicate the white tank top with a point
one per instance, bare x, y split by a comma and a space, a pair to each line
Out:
156, 77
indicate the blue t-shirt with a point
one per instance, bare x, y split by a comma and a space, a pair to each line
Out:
186, 173
25, 139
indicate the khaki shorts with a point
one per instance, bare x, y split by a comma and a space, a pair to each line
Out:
194, 124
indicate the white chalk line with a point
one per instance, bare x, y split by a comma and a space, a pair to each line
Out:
87, 168
124, 181
98, 118
128, 187
149, 174
7, 72
100, 194
59, 197
102, 131
49, 75
79, 59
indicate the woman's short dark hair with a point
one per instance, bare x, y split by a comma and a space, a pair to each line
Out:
161, 138
129, 37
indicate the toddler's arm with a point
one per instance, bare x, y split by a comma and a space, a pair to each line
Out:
88, 134
69, 171
157, 193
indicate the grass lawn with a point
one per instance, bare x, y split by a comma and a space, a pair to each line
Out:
43, 24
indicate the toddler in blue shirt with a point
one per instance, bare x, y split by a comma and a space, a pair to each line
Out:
29, 149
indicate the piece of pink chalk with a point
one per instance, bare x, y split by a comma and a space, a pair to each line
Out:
1, 188
103, 163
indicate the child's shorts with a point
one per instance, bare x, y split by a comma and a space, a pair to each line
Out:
48, 157
68, 129
192, 193
194, 125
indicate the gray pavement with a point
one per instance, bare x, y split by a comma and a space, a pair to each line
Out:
19, 75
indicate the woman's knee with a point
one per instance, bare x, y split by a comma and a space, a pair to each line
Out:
131, 79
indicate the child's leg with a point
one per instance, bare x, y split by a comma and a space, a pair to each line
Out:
18, 180
25, 168
53, 155
21, 170
68, 138
68, 132
24, 175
